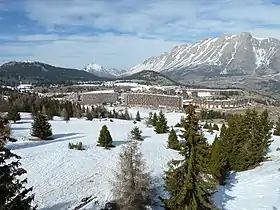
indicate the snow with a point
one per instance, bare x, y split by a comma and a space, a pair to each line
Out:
62, 177
99, 91
94, 66
219, 51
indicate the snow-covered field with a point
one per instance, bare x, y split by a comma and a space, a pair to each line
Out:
62, 177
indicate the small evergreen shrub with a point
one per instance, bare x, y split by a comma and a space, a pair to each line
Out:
77, 146
178, 125
215, 127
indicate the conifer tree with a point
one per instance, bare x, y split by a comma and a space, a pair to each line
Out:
277, 128
223, 130
105, 139
133, 188
161, 124
215, 127
266, 126
154, 119
64, 115
219, 165
138, 118
186, 181
206, 125
126, 114
13, 193
136, 133
149, 121
173, 142
13, 114
41, 128
89, 116
210, 130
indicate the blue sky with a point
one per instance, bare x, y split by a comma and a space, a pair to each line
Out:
122, 33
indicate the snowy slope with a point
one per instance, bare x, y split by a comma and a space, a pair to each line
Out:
256, 189
227, 53
154, 63
62, 177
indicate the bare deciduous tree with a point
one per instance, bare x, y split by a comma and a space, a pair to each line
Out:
133, 188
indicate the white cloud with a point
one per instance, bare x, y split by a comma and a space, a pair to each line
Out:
134, 30
76, 51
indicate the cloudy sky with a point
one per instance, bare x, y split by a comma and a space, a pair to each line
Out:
122, 33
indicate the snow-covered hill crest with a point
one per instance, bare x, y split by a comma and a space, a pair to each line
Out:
237, 54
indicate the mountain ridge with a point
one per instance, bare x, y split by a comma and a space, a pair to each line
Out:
229, 60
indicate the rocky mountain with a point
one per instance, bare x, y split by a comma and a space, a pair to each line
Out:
36, 72
223, 61
101, 71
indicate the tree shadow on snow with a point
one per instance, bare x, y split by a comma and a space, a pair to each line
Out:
58, 206
29, 144
118, 143
221, 197
19, 129
145, 137
62, 135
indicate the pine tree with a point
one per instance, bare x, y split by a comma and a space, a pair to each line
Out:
105, 139
149, 121
215, 127
188, 184
210, 130
13, 114
223, 130
133, 188
13, 193
89, 116
206, 125
277, 128
64, 115
41, 128
173, 142
138, 118
126, 114
161, 124
136, 133
154, 119
219, 165
265, 126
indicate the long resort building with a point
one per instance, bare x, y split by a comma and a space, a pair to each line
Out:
99, 97
153, 100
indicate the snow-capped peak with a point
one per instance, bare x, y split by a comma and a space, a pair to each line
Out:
94, 67
101, 71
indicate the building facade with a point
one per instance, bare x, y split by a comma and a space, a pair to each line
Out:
99, 97
153, 100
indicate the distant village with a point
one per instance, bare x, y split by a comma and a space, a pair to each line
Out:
133, 94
